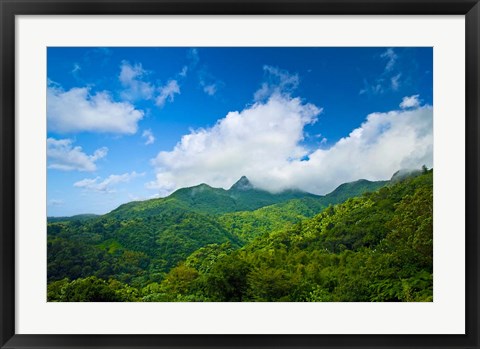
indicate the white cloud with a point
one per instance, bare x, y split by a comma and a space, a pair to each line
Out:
395, 81
183, 73
255, 139
383, 144
76, 110
131, 78
391, 58
373, 88
410, 102
264, 142
210, 89
389, 79
209, 83
167, 92
105, 186
193, 57
136, 88
63, 156
76, 68
99, 153
150, 138
278, 81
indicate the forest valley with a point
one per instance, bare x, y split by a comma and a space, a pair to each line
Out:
364, 242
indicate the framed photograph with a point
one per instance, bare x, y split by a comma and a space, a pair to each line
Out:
232, 174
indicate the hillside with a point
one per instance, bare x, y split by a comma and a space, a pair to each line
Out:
377, 247
143, 248
248, 225
242, 196
151, 245
141, 241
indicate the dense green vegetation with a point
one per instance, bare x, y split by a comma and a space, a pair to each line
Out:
132, 250
250, 224
365, 241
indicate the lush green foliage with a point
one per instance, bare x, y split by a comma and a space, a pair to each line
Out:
249, 225
373, 247
133, 250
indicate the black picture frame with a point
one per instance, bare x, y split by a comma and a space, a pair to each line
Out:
11, 8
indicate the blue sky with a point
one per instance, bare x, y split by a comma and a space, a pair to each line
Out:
136, 123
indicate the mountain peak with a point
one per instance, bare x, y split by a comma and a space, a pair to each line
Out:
242, 184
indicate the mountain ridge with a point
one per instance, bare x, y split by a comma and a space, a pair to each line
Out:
242, 184
241, 196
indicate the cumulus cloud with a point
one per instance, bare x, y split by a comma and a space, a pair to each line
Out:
76, 110
167, 93
383, 144
63, 156
105, 186
410, 102
148, 135
136, 87
264, 142
131, 77
247, 142
278, 81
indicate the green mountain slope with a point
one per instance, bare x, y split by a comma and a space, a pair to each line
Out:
242, 196
377, 247
140, 241
132, 248
251, 224
188, 246
351, 189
